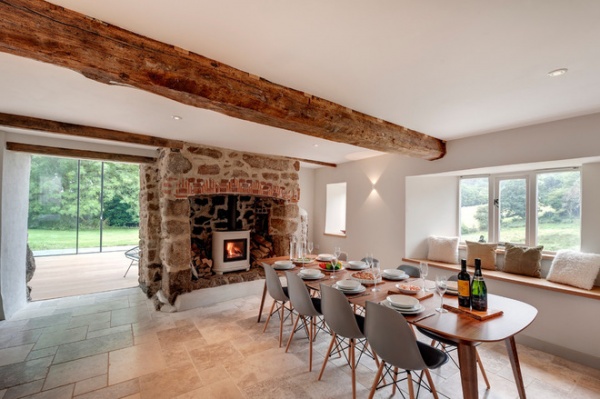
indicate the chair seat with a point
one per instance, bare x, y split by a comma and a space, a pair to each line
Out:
437, 337
360, 320
317, 304
433, 357
285, 291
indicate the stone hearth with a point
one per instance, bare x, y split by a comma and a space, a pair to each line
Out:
170, 193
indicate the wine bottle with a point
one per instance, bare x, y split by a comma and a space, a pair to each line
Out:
464, 285
478, 289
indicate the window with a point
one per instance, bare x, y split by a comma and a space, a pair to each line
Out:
335, 211
535, 208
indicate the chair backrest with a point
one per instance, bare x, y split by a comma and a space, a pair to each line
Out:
453, 277
299, 296
391, 338
412, 271
374, 260
338, 313
274, 287
343, 256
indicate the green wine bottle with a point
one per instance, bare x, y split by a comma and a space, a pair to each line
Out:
478, 289
464, 285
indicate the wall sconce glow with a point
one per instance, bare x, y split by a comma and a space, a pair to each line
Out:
558, 72
177, 117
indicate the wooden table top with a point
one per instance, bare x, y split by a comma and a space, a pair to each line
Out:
516, 315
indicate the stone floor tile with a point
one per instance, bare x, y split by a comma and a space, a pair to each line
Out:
125, 389
14, 354
93, 346
76, 370
20, 391
14, 337
134, 361
215, 355
56, 393
61, 336
21, 373
216, 390
86, 320
128, 316
169, 383
47, 321
91, 384
45, 352
108, 331
184, 332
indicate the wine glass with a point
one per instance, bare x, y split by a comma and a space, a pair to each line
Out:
441, 285
376, 273
302, 253
337, 251
424, 268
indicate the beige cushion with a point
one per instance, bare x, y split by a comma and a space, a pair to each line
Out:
443, 249
483, 251
523, 260
574, 268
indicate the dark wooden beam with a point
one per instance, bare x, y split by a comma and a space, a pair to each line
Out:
48, 126
43, 31
71, 153
331, 165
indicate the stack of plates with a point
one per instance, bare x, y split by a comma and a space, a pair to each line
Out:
404, 304
324, 257
452, 287
349, 286
394, 274
357, 265
310, 274
283, 265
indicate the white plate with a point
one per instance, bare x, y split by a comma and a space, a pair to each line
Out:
361, 288
302, 260
283, 265
403, 301
452, 285
394, 276
403, 288
325, 257
348, 284
315, 277
403, 311
357, 265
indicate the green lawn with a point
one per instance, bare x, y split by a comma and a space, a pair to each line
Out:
60, 239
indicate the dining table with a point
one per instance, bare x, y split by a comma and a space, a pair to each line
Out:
508, 318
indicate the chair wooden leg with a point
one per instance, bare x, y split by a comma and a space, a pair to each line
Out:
327, 356
281, 317
480, 363
377, 376
269, 317
431, 384
394, 381
292, 334
411, 389
353, 367
310, 343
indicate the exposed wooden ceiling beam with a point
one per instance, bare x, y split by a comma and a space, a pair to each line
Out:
43, 31
73, 153
44, 125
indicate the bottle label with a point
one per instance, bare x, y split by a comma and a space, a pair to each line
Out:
463, 288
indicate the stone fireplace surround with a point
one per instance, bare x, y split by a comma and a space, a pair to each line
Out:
165, 227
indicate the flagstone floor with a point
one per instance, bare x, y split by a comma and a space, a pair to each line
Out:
114, 345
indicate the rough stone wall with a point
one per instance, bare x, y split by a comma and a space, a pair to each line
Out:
192, 171
150, 274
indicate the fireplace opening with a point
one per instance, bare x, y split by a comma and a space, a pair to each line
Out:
234, 250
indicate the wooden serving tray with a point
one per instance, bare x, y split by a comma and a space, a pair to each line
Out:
478, 315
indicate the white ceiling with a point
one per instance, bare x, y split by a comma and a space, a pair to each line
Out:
449, 69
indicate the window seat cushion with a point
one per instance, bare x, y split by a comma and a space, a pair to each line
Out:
594, 293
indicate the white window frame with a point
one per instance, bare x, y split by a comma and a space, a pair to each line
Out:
335, 209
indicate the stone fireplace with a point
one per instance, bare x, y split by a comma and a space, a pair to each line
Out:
189, 194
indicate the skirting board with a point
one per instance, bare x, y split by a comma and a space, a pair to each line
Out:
211, 296
557, 350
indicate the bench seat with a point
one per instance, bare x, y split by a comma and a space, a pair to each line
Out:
541, 283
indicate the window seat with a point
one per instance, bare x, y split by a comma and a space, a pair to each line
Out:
541, 283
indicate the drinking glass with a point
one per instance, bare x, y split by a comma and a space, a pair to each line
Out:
375, 269
333, 265
310, 247
441, 285
424, 268
302, 254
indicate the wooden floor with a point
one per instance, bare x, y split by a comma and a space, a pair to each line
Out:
70, 275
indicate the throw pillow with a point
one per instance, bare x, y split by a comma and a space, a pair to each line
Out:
523, 260
443, 249
485, 252
574, 268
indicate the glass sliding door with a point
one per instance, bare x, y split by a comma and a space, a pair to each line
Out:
82, 206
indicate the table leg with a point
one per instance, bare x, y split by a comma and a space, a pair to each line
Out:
468, 369
262, 302
511, 348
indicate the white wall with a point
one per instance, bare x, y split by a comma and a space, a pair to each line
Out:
394, 220
13, 226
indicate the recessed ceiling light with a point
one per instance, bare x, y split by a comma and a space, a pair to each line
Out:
177, 117
558, 72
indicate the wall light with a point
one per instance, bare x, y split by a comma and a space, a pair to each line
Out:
558, 72
177, 117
